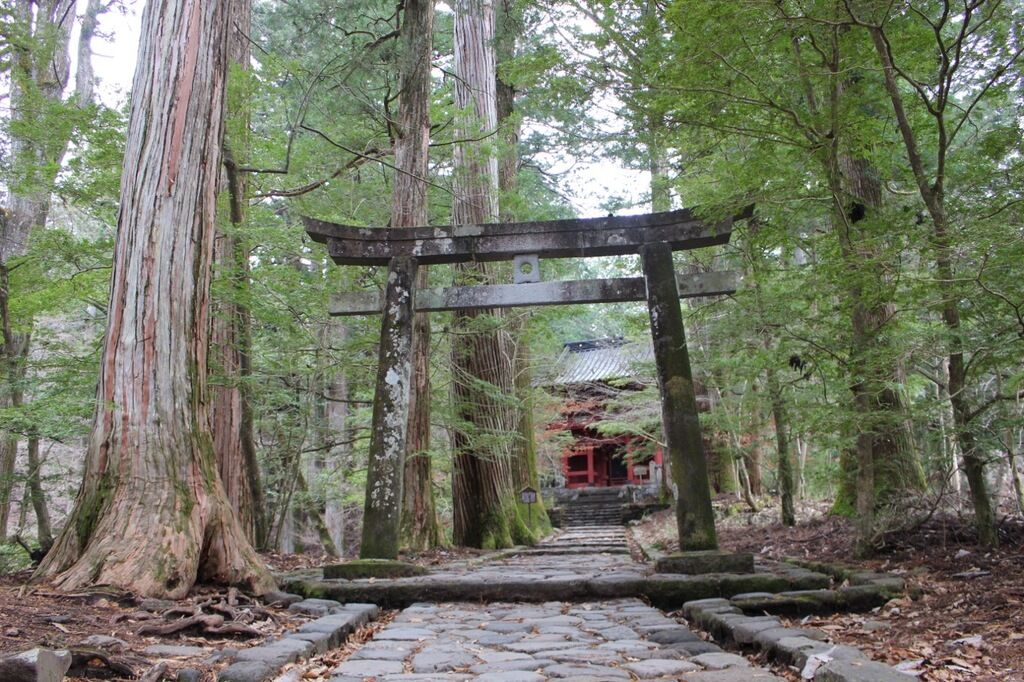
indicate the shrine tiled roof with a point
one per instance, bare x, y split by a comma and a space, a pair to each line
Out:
600, 360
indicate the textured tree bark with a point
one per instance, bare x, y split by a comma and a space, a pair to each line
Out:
881, 464
44, 529
681, 421
420, 528
508, 28
15, 355
85, 78
754, 455
230, 336
886, 464
483, 485
152, 515
780, 415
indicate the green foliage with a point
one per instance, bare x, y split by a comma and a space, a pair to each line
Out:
13, 558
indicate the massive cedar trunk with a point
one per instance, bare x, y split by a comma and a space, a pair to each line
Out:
40, 66
509, 27
231, 416
483, 485
886, 465
151, 515
420, 528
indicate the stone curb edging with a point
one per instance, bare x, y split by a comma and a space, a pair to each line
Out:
335, 623
852, 575
789, 646
864, 591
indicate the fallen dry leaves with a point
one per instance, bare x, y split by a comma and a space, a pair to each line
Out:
968, 623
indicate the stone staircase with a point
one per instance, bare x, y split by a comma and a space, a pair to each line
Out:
593, 507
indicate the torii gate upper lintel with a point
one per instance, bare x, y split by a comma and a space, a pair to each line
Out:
652, 236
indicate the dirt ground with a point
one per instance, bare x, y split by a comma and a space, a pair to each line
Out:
968, 623
39, 617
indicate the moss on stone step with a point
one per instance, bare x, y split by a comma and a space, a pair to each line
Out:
372, 568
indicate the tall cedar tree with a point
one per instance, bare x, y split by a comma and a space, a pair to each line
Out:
483, 387
420, 528
231, 415
509, 28
151, 515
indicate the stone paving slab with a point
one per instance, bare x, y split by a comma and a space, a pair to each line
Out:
502, 641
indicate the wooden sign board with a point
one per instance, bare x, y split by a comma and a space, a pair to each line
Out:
528, 495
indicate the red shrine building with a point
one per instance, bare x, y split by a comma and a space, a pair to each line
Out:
589, 374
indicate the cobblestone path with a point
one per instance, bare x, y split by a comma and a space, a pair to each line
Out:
616, 639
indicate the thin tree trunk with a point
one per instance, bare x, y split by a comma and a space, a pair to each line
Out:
1013, 447
85, 78
536, 515
801, 467
420, 529
152, 516
8, 454
776, 398
15, 358
743, 476
314, 518
754, 455
658, 165
44, 529
785, 457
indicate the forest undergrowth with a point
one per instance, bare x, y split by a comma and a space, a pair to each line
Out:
967, 622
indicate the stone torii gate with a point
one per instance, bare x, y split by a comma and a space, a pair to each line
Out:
653, 236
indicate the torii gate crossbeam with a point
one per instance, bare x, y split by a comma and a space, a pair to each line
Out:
652, 236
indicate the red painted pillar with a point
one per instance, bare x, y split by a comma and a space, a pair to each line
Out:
590, 465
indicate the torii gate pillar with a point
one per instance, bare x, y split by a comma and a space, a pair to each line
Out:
382, 509
679, 416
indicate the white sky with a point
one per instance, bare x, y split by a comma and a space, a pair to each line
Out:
114, 51
587, 185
